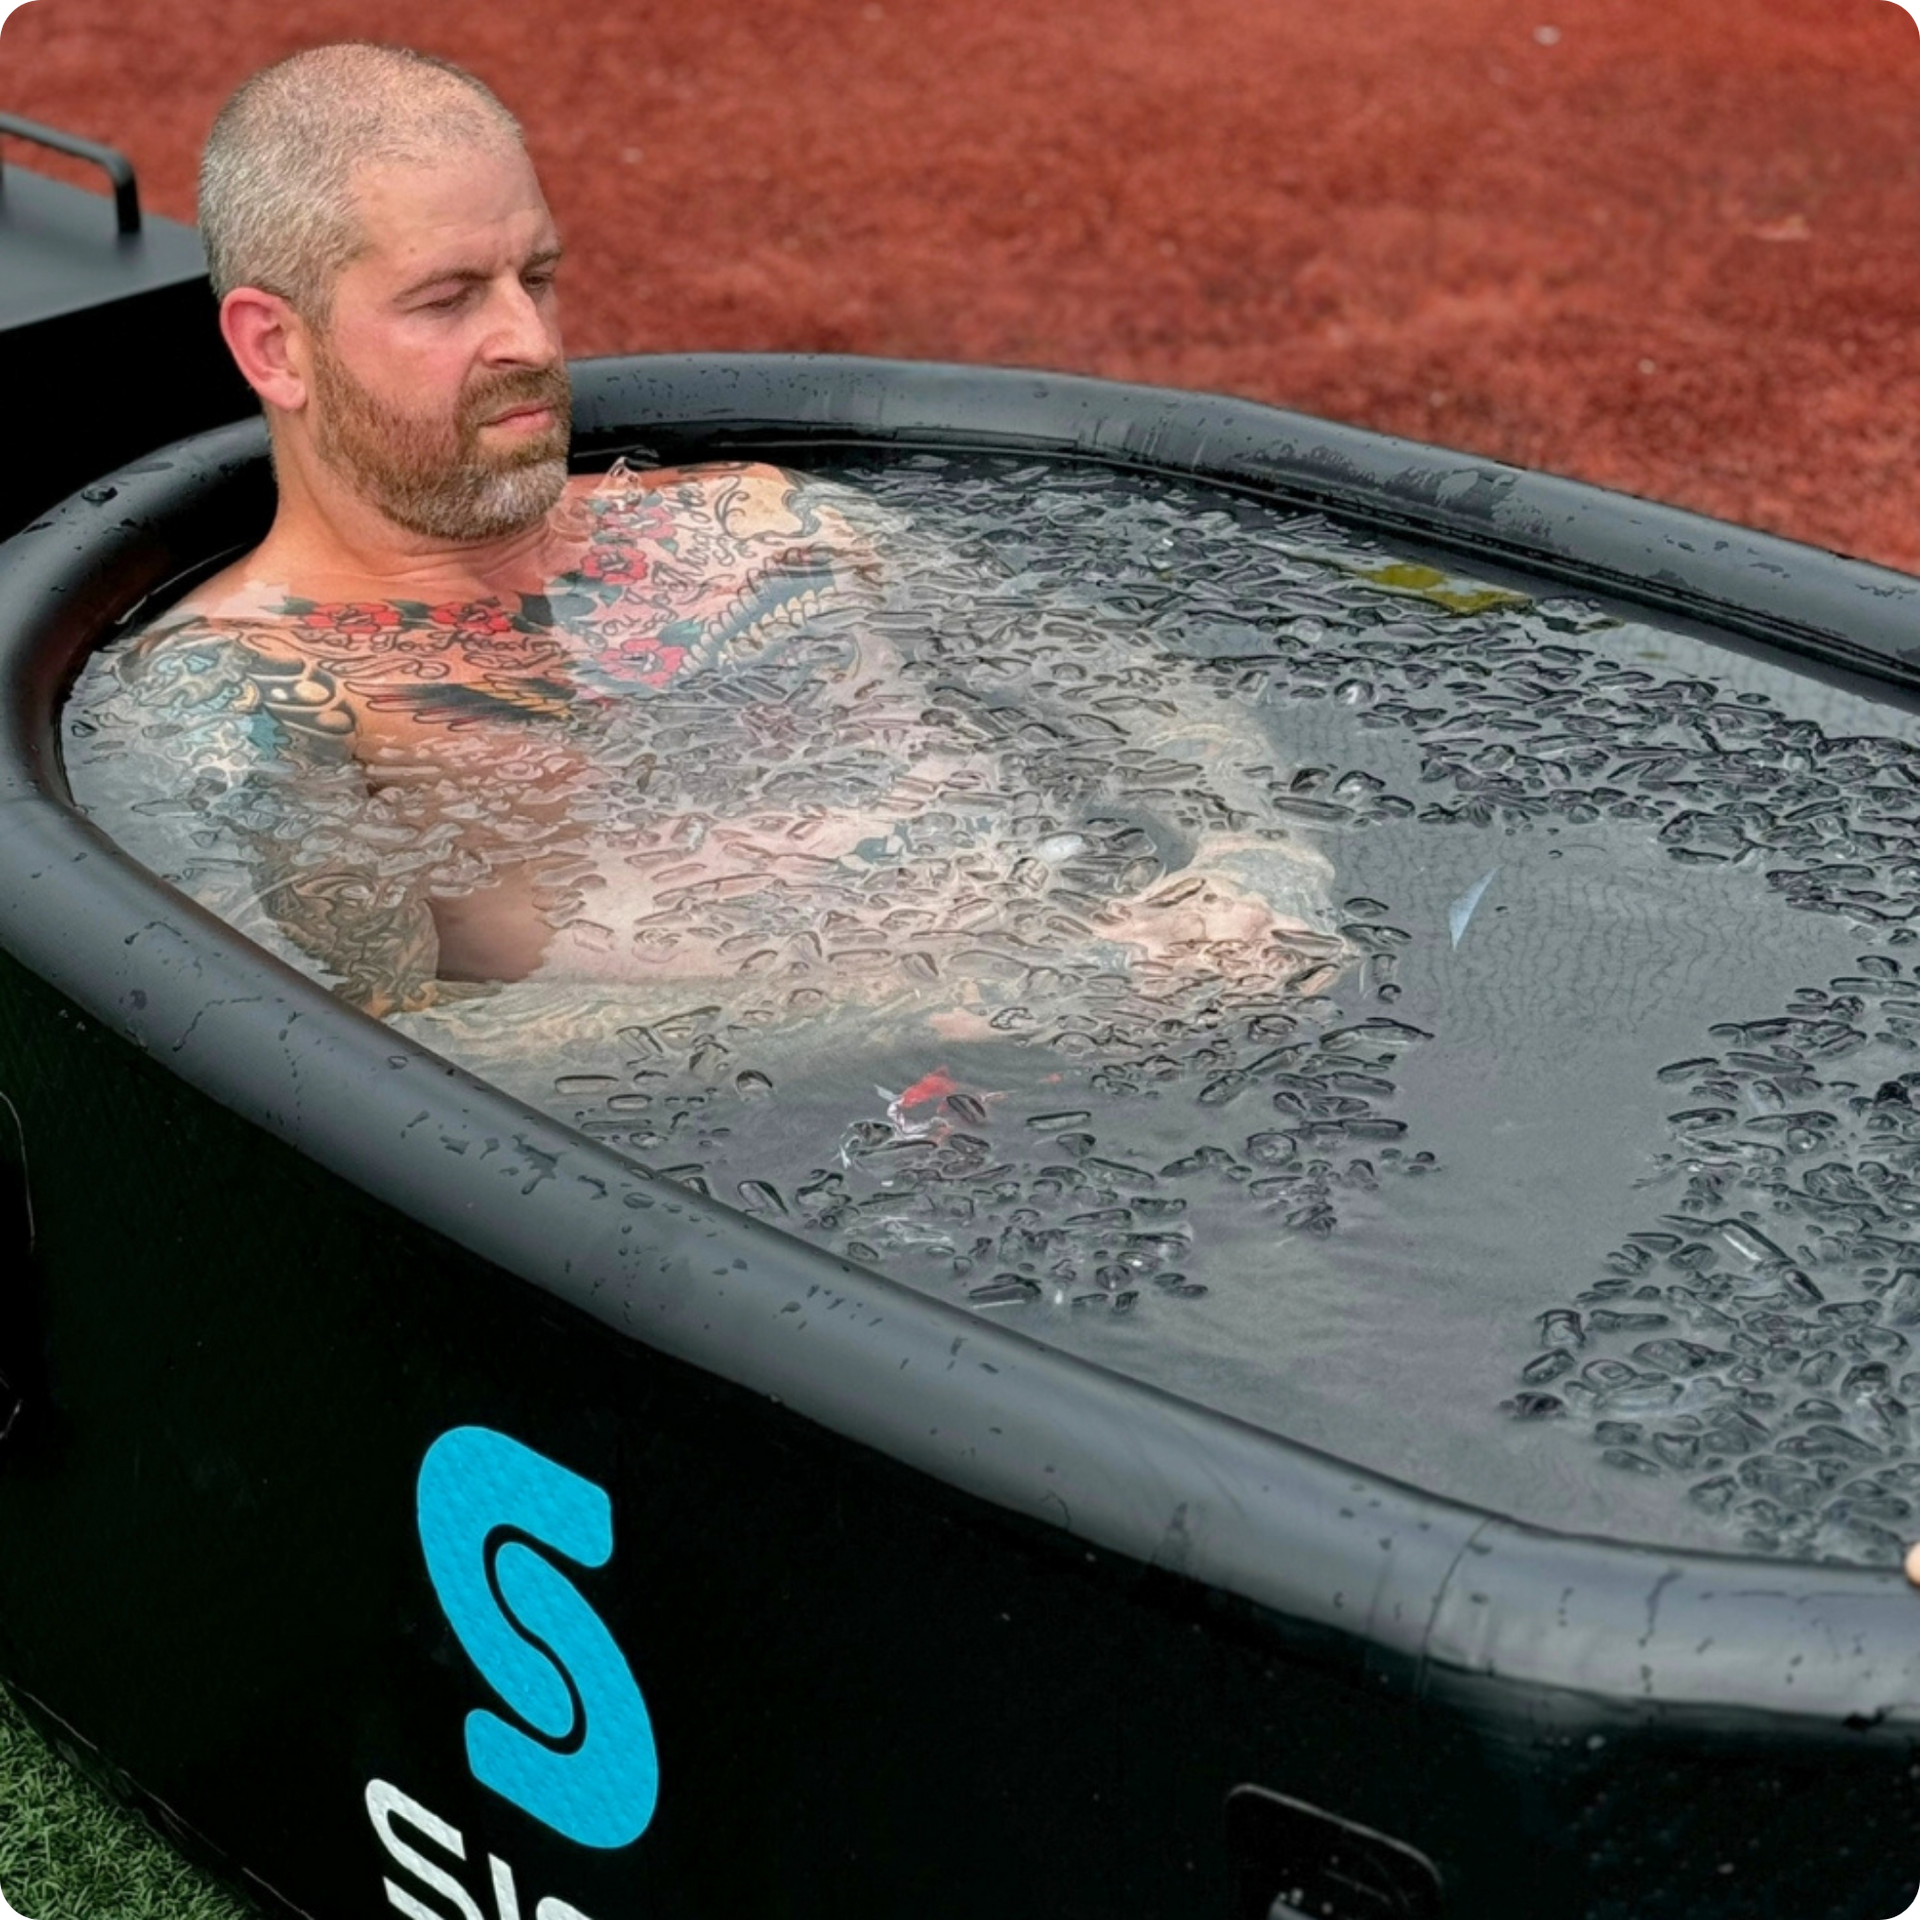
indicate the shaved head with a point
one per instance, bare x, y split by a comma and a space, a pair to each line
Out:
277, 207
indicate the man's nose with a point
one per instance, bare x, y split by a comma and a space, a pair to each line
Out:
523, 332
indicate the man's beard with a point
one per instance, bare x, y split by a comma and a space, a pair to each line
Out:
432, 476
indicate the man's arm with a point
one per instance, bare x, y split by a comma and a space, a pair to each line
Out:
263, 743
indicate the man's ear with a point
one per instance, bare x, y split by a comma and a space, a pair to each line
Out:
267, 340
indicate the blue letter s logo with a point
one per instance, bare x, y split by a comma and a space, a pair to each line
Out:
594, 1775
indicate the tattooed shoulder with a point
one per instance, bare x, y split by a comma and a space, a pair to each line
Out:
246, 714
200, 669
764, 502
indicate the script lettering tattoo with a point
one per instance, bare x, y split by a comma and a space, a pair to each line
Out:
437, 662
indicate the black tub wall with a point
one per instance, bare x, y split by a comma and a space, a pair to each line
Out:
870, 1694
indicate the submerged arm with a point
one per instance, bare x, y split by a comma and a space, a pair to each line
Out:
263, 744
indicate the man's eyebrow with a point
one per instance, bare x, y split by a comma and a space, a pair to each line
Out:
475, 276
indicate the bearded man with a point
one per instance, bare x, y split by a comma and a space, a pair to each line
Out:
385, 266
436, 603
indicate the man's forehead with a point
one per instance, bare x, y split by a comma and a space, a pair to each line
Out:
467, 197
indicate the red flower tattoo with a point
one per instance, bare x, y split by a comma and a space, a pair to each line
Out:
612, 565
354, 616
646, 661
472, 617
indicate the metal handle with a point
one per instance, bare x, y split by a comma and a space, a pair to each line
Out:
126, 192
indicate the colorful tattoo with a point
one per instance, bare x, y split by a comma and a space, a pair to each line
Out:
680, 573
712, 570
243, 716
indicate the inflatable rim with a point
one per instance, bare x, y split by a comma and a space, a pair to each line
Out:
1464, 1603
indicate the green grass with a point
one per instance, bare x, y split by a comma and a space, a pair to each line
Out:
67, 1852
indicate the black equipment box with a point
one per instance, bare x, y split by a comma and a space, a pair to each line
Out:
107, 320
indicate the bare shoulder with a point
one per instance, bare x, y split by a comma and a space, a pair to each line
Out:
743, 500
250, 591
751, 500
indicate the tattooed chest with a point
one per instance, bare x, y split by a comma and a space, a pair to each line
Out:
654, 591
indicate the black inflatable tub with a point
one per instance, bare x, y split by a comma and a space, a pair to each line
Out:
395, 1479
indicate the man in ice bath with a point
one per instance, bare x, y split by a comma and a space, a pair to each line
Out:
435, 593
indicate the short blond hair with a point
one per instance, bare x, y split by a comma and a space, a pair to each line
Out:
276, 180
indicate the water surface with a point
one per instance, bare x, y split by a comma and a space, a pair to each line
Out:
1564, 1163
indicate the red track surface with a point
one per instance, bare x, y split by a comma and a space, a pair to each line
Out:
1671, 246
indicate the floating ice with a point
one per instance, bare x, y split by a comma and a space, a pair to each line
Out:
1461, 911
1650, 1181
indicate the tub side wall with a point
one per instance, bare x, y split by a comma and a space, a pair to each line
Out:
868, 1692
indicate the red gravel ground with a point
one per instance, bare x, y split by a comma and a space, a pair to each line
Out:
1669, 247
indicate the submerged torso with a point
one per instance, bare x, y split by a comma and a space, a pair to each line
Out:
518, 727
